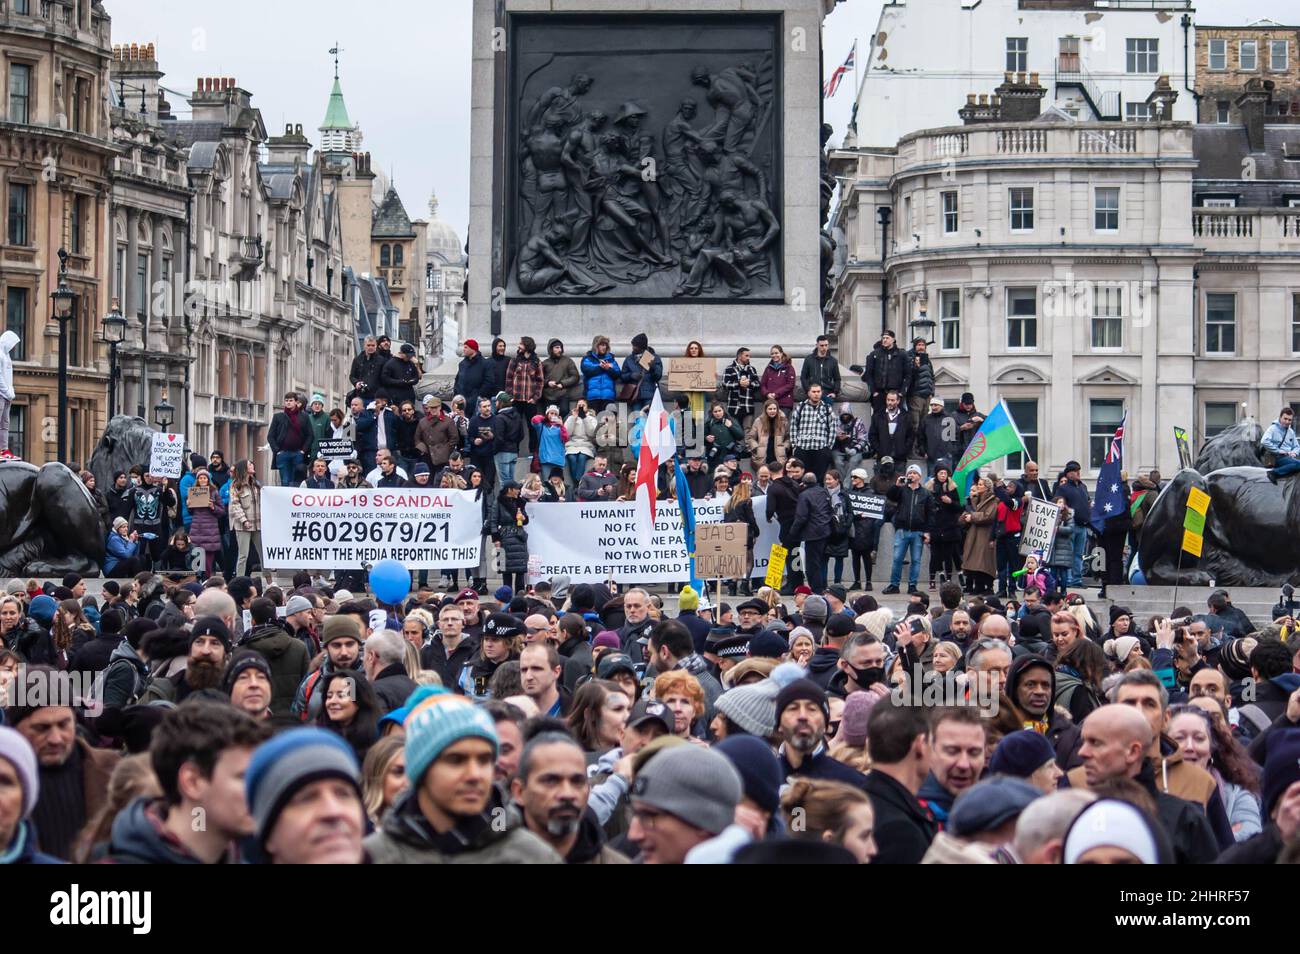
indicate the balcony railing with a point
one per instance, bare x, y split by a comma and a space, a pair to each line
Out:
1247, 230
1067, 141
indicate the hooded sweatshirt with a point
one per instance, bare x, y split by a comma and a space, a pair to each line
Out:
8, 341
138, 837
496, 836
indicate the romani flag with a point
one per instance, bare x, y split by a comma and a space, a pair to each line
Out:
996, 438
833, 83
658, 445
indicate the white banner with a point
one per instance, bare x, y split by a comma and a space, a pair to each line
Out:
345, 529
165, 455
593, 542
1039, 527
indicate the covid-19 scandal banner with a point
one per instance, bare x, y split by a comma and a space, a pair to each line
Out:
593, 542
346, 529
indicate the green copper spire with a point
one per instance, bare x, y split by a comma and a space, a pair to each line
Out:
336, 116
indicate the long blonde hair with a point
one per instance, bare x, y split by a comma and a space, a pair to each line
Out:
373, 772
739, 495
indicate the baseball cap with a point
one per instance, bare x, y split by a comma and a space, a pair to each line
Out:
651, 710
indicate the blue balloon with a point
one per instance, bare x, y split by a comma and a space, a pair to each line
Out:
390, 581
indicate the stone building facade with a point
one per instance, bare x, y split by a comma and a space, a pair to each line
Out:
1228, 57
56, 161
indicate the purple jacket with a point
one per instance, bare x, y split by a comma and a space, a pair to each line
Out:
204, 530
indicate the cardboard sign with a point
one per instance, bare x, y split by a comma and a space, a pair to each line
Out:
336, 450
775, 566
165, 455
692, 374
199, 498
1038, 531
720, 550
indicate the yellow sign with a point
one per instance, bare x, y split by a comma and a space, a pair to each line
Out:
1198, 500
1192, 543
775, 566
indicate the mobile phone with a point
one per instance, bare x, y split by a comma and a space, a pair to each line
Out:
917, 626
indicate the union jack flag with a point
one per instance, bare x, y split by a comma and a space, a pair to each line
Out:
833, 83
1116, 451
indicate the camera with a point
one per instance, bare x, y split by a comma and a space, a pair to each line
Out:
1288, 600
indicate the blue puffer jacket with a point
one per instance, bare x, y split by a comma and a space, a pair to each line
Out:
117, 548
602, 385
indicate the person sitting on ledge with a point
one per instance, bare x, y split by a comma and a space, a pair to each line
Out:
1281, 442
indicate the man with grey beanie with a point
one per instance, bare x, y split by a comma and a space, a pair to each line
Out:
681, 798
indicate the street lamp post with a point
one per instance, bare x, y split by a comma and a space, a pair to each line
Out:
163, 413
114, 334
922, 326
63, 303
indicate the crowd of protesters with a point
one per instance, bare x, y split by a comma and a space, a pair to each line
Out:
568, 723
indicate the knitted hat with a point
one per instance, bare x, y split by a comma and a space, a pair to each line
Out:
317, 397
439, 719
1117, 611
1121, 648
503, 595
1021, 754
990, 804
42, 610
860, 474
640, 342
15, 749
839, 592
607, 638
211, 626
697, 785
245, 659
297, 604
1234, 659
814, 607
341, 626
802, 689
111, 622
768, 644
1281, 767
281, 767
752, 707
759, 770
688, 599
803, 589
1111, 823
471, 343
853, 721
560, 587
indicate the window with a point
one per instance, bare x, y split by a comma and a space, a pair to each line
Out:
1219, 203
1142, 55
385, 256
1104, 416
1107, 317
1220, 324
1022, 210
78, 224
1295, 323
20, 93
1068, 48
1022, 318
1024, 411
1248, 55
1221, 111
907, 216
16, 319
23, 6
1106, 210
1278, 54
1218, 54
1017, 54
18, 201
949, 212
1219, 416
950, 319
397, 255
18, 431
1137, 112
119, 273
80, 101
141, 285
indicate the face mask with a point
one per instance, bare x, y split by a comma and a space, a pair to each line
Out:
869, 676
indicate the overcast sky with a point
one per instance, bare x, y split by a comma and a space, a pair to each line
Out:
405, 69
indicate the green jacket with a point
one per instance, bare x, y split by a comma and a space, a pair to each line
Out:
496, 837
320, 429
726, 440
288, 659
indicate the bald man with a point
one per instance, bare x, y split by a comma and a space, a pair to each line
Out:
1116, 739
537, 628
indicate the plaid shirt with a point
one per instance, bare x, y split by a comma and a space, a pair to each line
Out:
812, 426
524, 379
740, 400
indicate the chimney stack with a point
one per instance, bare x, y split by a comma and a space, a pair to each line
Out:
1253, 104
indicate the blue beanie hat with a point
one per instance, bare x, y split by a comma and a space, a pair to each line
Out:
284, 764
1021, 754
438, 719
504, 595
42, 610
760, 772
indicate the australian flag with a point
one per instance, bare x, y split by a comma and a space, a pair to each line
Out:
1110, 500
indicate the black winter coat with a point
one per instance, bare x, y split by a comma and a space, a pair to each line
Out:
398, 380
887, 370
943, 523
365, 372
782, 501
913, 507
897, 445
812, 517
903, 830
841, 526
472, 379
512, 537
392, 687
